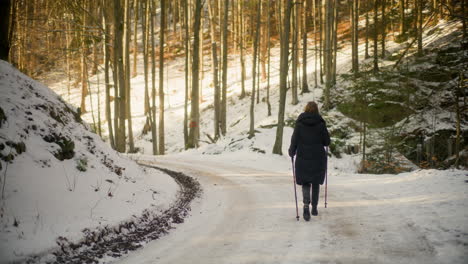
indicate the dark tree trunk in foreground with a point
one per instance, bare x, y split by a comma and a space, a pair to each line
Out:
5, 7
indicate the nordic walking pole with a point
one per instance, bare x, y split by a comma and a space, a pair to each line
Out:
326, 177
295, 193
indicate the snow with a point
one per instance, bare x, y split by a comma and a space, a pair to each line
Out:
49, 198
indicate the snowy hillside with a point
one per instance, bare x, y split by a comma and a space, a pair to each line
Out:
57, 177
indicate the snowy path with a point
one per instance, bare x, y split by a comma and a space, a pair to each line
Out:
248, 216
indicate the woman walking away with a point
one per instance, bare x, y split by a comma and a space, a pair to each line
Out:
307, 143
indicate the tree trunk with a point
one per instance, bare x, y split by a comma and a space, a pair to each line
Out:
277, 148
254, 67
5, 9
152, 111
224, 69
84, 69
241, 47
383, 27
305, 85
119, 67
214, 68
106, 73
329, 26
187, 61
135, 34
367, 31
420, 26
195, 114
294, 55
161, 78
126, 50
376, 35
402, 17
269, 55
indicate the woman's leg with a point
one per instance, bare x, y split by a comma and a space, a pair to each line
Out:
306, 193
315, 198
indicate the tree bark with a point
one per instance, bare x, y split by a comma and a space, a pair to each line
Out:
152, 111
224, 69
277, 148
305, 85
376, 35
118, 64
161, 78
254, 74
5, 9
195, 114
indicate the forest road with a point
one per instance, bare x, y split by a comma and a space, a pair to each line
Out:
248, 216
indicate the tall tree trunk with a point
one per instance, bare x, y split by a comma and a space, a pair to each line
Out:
224, 69
126, 50
376, 36
383, 27
187, 61
254, 67
152, 112
241, 47
5, 9
135, 37
144, 26
84, 69
294, 55
214, 68
305, 85
420, 26
277, 148
195, 114
106, 72
402, 17
118, 64
161, 78
329, 26
367, 31
269, 55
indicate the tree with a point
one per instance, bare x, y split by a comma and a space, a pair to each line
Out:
294, 54
5, 8
152, 111
120, 73
284, 56
254, 67
195, 114
161, 77
126, 57
305, 85
106, 51
214, 68
376, 36
224, 69
383, 27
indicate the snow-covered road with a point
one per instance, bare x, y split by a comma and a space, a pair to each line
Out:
247, 215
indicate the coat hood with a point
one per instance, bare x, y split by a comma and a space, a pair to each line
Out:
310, 119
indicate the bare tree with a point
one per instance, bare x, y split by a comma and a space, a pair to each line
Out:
284, 56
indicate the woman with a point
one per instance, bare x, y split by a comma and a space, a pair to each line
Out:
307, 143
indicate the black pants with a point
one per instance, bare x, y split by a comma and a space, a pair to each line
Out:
306, 194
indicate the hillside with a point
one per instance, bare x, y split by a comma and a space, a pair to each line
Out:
58, 178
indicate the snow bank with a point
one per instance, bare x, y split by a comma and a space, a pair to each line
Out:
58, 176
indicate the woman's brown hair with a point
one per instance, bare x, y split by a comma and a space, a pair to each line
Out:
311, 107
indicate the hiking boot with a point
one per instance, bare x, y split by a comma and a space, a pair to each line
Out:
306, 213
314, 211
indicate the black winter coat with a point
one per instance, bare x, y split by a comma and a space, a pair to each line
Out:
307, 143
